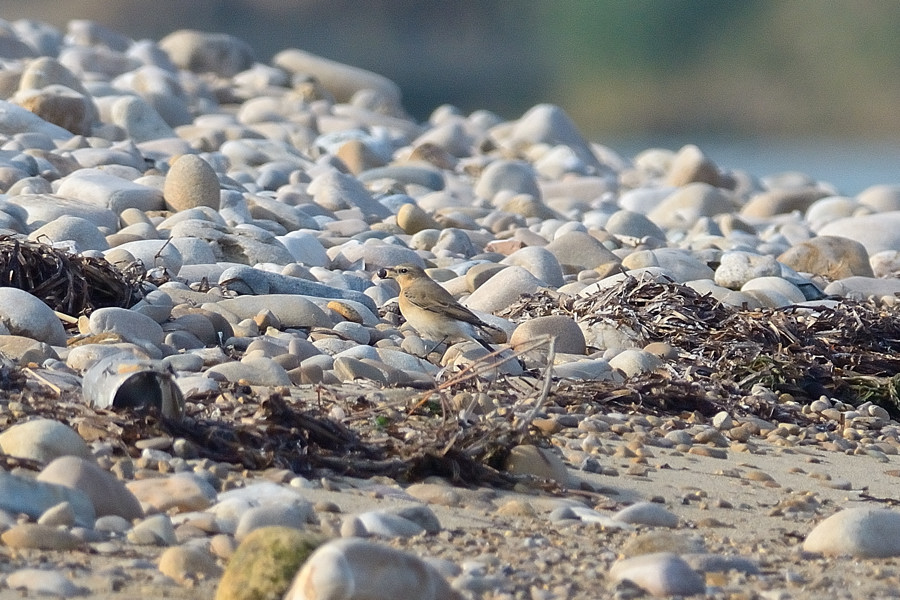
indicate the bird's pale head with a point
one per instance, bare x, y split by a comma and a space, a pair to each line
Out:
403, 274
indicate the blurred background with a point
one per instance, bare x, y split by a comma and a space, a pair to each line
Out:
764, 85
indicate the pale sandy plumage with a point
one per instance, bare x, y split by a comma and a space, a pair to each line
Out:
433, 311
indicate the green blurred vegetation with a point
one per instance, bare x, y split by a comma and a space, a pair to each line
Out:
758, 67
618, 67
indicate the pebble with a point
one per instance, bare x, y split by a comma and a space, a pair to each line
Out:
737, 268
380, 524
503, 289
188, 565
345, 568
60, 515
155, 530
634, 362
34, 498
679, 263
191, 182
181, 491
295, 514
274, 290
579, 250
105, 190
687, 204
647, 513
130, 325
25, 350
43, 582
662, 574
876, 232
24, 315
538, 261
43, 440
344, 81
633, 224
832, 257
568, 335
861, 532
43, 537
81, 233
153, 254
526, 459
782, 200
690, 165
108, 495
512, 176
15, 119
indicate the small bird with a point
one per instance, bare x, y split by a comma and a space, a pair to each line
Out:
433, 311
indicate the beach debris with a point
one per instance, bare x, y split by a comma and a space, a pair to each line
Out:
72, 284
141, 385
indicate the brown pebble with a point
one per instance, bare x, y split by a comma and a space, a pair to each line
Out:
326, 506
547, 426
516, 508
758, 476
222, 545
710, 452
44, 537
741, 433
623, 452
345, 310
188, 564
637, 470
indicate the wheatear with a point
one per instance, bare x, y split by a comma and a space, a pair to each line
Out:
433, 311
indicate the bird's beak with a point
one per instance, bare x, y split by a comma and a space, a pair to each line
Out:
382, 273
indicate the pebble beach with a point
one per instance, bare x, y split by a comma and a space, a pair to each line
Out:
693, 392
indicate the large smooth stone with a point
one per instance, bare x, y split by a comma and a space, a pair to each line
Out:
99, 188
830, 256
663, 574
342, 81
191, 182
43, 440
202, 52
781, 201
15, 119
27, 496
877, 232
503, 289
356, 569
25, 315
580, 250
568, 335
862, 532
108, 494
683, 207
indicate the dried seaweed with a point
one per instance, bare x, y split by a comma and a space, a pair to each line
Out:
68, 283
849, 351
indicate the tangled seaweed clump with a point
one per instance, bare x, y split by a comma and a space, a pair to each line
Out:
72, 284
846, 350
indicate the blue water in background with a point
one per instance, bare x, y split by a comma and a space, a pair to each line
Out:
850, 166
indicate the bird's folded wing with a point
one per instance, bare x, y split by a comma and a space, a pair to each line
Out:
447, 307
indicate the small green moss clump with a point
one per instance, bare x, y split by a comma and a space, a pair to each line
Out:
265, 563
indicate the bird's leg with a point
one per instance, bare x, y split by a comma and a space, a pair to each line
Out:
436, 344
